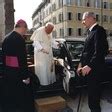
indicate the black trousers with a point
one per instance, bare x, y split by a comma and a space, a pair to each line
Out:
94, 90
1, 93
17, 96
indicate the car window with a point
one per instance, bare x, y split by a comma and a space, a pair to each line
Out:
29, 49
56, 52
75, 48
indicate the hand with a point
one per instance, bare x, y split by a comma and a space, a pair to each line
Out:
79, 71
45, 51
85, 70
26, 81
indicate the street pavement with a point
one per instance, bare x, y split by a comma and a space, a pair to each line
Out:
106, 101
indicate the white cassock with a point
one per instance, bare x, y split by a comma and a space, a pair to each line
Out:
44, 67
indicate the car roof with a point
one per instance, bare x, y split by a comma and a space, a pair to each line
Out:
61, 40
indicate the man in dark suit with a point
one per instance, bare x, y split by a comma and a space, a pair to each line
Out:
93, 59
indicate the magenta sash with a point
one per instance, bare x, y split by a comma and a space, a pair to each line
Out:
12, 61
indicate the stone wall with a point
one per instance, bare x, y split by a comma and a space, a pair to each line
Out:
6, 17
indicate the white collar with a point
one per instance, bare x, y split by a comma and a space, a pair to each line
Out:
92, 26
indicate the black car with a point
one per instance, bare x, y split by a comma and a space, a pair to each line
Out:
73, 48
66, 59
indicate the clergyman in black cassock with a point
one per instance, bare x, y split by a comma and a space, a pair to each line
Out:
17, 88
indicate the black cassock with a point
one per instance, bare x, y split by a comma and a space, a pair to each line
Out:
17, 94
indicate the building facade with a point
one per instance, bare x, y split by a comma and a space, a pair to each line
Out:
67, 14
6, 17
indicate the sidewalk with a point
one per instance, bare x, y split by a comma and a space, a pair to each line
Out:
106, 102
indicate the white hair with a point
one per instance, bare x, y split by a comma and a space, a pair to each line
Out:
88, 14
49, 23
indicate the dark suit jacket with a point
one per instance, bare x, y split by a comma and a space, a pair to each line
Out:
95, 49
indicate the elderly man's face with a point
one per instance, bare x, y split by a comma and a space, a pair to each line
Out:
49, 29
87, 21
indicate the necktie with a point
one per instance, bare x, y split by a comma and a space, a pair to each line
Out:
88, 32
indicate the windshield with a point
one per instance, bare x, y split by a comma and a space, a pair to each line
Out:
75, 48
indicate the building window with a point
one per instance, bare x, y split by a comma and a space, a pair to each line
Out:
70, 31
105, 5
97, 3
69, 2
105, 18
79, 32
61, 32
110, 19
110, 32
88, 3
54, 34
60, 3
50, 10
47, 12
54, 20
70, 15
97, 17
43, 14
49, 20
40, 17
79, 16
64, 2
36, 21
53, 7
60, 17
48, 1
78, 2
110, 5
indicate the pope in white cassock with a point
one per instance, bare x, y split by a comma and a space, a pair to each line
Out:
43, 56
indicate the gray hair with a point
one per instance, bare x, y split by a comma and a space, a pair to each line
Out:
49, 23
88, 14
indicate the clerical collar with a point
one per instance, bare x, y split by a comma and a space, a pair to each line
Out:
92, 26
